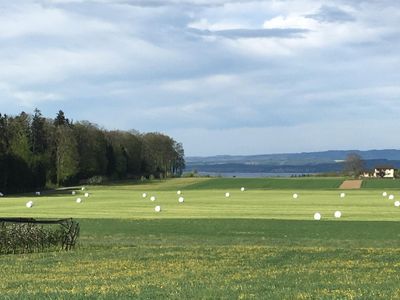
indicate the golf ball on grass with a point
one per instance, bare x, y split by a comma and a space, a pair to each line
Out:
1, 195
391, 197
83, 188
337, 214
152, 198
179, 192
342, 195
397, 203
295, 196
86, 195
37, 193
157, 208
384, 194
79, 200
242, 189
317, 216
144, 195
181, 200
29, 204
227, 195
73, 193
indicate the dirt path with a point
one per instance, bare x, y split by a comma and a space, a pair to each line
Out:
351, 184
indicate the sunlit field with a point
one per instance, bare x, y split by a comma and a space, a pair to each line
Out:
260, 243
205, 198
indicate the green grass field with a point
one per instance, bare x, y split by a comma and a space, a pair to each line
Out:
269, 183
260, 243
381, 184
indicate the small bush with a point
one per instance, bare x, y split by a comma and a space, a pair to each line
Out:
96, 180
29, 235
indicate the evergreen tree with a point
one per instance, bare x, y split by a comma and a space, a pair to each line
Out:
38, 134
60, 119
92, 149
119, 159
66, 155
4, 148
39, 144
4, 135
110, 160
20, 137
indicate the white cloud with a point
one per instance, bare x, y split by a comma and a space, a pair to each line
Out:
291, 21
34, 19
27, 99
218, 81
204, 24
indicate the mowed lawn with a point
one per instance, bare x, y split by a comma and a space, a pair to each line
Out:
260, 243
205, 198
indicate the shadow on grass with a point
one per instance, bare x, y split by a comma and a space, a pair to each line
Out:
61, 192
133, 182
341, 234
67, 191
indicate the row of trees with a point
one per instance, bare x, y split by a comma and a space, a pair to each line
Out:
36, 151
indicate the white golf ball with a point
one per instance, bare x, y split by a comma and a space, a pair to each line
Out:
157, 208
391, 197
29, 204
1, 195
86, 195
342, 195
152, 198
37, 193
83, 188
79, 200
384, 194
397, 203
338, 214
144, 195
181, 200
295, 196
242, 189
73, 193
227, 195
317, 216
178, 192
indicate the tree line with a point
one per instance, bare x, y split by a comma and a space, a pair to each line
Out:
36, 152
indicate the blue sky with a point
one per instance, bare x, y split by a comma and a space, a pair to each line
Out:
223, 77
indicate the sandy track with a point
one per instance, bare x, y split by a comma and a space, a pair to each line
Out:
351, 184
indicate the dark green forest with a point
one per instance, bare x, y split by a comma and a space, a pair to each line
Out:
38, 152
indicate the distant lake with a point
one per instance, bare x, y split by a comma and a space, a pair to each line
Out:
251, 175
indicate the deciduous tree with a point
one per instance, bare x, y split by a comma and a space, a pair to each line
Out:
354, 165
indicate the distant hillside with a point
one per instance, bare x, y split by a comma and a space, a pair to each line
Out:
307, 162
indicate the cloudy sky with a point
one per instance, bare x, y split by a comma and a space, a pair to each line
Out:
221, 76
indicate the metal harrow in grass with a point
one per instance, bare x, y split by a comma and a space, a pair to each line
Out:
27, 235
